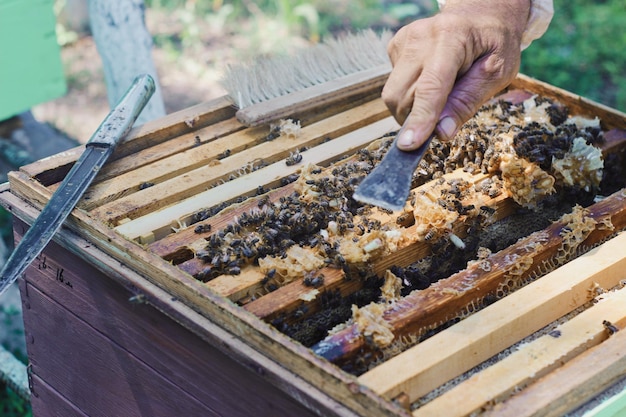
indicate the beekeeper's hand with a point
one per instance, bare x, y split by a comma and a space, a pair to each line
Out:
446, 66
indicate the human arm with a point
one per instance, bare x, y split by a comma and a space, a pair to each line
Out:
445, 67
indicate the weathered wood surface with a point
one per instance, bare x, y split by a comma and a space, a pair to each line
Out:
141, 338
49, 403
289, 366
132, 388
424, 310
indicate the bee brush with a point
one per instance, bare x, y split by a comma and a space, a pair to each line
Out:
275, 88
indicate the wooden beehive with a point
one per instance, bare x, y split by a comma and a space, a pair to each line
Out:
138, 226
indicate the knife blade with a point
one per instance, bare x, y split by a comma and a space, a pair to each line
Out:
389, 184
97, 150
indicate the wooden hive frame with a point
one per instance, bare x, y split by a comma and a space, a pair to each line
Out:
160, 177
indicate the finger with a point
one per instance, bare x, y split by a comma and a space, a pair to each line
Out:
399, 90
431, 91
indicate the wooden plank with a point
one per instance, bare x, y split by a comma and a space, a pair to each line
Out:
48, 403
533, 360
571, 385
444, 300
133, 389
192, 163
160, 151
159, 222
260, 337
483, 334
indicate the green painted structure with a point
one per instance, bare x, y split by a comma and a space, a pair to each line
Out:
30, 62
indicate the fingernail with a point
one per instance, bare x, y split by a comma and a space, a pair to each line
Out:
406, 139
447, 126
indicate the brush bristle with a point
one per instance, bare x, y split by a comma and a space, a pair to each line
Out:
267, 78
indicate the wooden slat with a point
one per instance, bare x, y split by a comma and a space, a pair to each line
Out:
159, 222
487, 332
193, 163
197, 180
533, 360
424, 310
160, 151
52, 169
573, 384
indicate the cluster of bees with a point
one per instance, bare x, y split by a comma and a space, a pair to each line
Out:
272, 227
322, 203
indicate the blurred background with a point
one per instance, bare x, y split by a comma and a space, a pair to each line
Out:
584, 51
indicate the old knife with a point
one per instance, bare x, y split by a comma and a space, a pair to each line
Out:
97, 150
389, 184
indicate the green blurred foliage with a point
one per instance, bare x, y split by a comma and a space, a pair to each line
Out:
583, 51
11, 405
311, 19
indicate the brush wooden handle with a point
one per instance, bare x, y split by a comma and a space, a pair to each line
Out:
325, 94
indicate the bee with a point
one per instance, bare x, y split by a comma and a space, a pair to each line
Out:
233, 270
138, 299
274, 133
300, 311
610, 327
430, 234
224, 154
205, 274
486, 210
247, 251
293, 158
145, 185
312, 280
215, 241
202, 228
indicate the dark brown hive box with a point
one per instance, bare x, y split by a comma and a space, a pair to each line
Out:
123, 319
